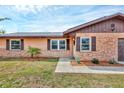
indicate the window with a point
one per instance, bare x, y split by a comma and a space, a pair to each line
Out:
58, 44
54, 44
61, 44
86, 44
15, 44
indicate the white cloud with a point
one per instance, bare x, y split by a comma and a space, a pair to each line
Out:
45, 28
59, 23
97, 13
29, 8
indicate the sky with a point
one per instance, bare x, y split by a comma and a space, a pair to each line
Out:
51, 18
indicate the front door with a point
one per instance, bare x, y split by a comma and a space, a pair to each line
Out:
121, 49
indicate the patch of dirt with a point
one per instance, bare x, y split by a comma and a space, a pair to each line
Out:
89, 63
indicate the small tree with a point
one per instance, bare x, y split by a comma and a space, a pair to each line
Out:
33, 51
77, 58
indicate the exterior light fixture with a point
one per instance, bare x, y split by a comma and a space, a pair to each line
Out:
113, 27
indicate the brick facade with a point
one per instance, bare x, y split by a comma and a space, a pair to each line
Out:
106, 46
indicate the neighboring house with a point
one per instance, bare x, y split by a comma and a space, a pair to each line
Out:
102, 38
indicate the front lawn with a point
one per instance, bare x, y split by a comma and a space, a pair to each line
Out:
41, 74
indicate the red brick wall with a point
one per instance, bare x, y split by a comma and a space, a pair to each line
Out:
106, 46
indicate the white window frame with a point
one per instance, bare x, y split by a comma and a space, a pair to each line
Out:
58, 43
11, 44
89, 44
51, 44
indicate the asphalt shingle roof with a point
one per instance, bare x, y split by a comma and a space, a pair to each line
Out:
33, 34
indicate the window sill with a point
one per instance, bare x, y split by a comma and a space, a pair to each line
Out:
16, 50
85, 51
58, 50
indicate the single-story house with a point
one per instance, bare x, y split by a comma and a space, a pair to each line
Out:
102, 38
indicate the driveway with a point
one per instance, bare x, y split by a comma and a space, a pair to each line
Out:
64, 66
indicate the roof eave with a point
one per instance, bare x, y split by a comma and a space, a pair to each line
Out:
31, 36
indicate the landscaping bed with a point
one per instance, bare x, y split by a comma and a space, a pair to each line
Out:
89, 63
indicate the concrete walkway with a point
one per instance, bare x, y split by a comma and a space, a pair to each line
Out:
64, 66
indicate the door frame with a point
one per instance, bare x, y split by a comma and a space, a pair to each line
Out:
118, 49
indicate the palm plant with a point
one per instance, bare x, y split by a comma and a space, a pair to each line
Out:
32, 51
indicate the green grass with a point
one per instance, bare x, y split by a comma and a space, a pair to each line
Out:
41, 74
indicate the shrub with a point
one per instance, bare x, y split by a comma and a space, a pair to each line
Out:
112, 61
95, 61
33, 51
77, 59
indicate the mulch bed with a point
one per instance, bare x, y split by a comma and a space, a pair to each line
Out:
89, 63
